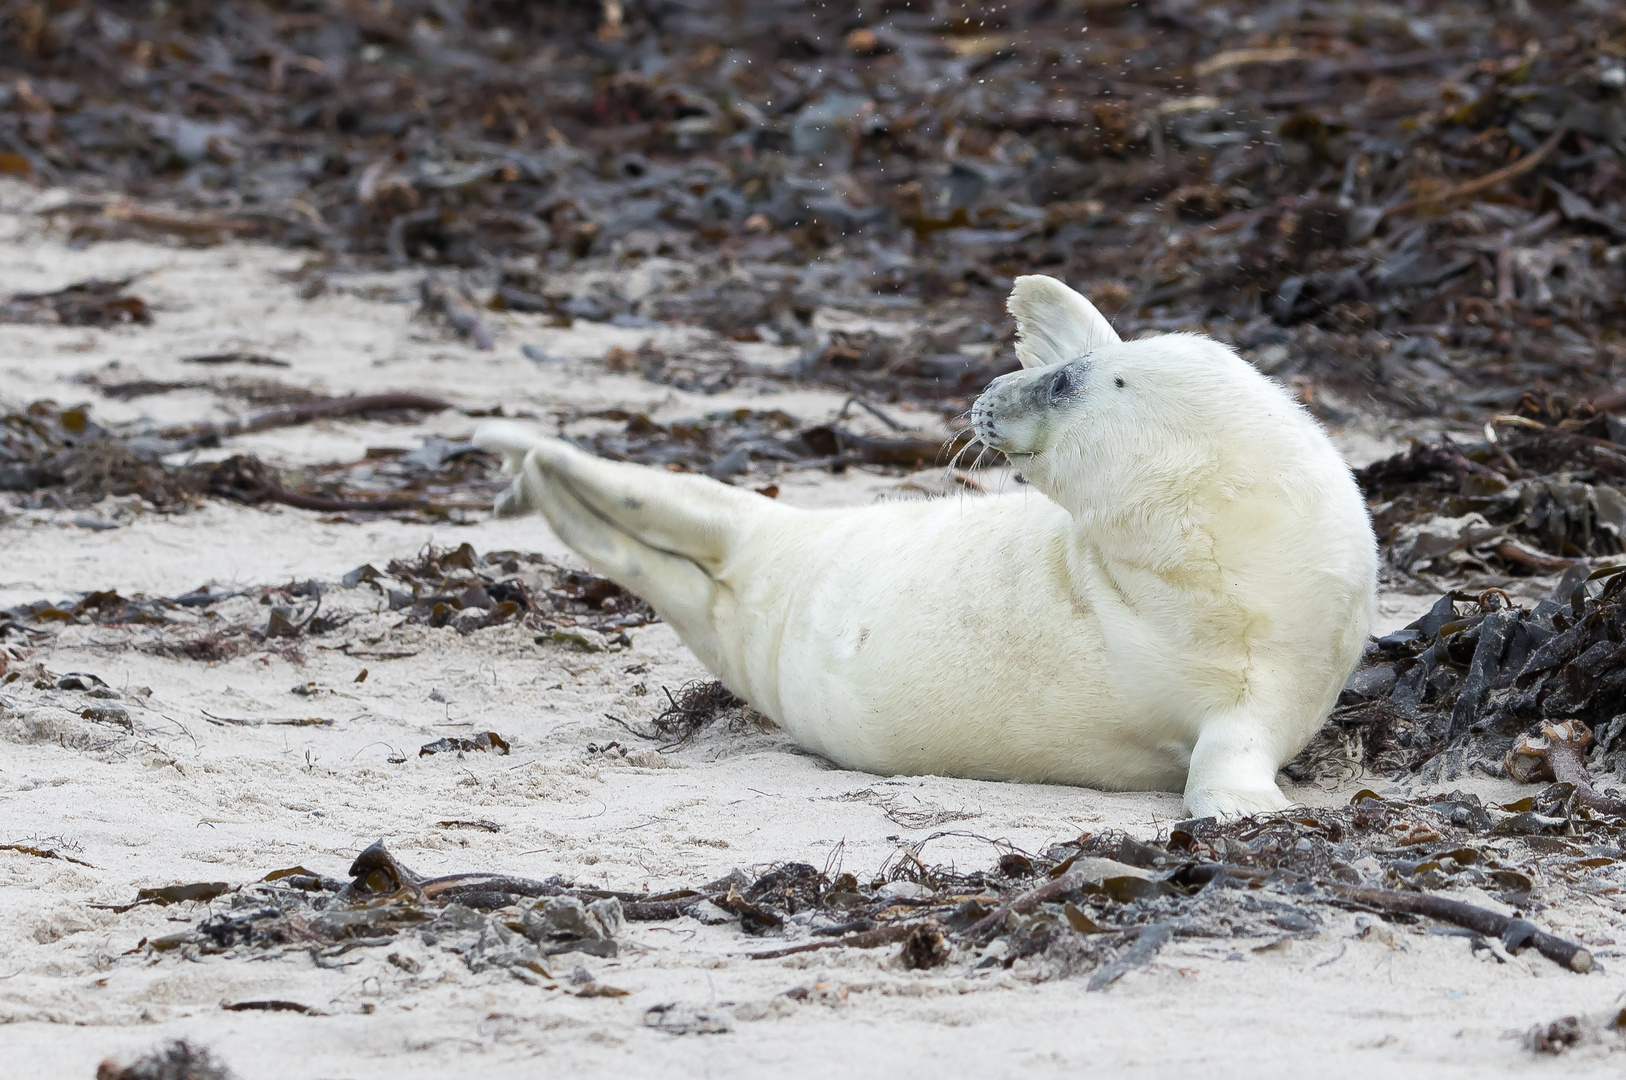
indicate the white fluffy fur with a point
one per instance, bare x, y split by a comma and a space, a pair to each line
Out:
1175, 603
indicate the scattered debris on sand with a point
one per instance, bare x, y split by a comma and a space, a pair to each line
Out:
1571, 1032
86, 303
177, 1060
488, 741
490, 920
359, 614
1100, 906
54, 457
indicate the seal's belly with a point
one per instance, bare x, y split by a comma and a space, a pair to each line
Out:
912, 639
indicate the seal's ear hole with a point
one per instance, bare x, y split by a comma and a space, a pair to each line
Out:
1119, 382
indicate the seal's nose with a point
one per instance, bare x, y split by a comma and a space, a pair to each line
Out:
985, 410
982, 419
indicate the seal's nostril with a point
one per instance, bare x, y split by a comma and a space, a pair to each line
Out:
1060, 384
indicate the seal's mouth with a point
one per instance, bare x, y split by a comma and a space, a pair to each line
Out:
987, 432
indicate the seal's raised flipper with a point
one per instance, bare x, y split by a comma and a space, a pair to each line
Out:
682, 514
659, 534
1054, 324
687, 515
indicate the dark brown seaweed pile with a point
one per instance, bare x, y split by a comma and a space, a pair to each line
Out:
52, 457
1102, 905
1455, 688
1544, 488
177, 1059
456, 588
86, 303
696, 706
470, 591
736, 442
1421, 204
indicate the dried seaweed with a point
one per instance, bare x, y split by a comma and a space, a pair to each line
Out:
61, 458
1459, 686
1568, 1032
696, 706
85, 303
737, 442
1103, 905
463, 589
455, 588
487, 741
175, 1060
490, 920
1420, 208
1547, 486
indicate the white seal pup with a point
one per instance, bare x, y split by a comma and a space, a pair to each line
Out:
1175, 603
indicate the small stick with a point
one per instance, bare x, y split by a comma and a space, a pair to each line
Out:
872, 410
323, 504
296, 721
291, 415
172, 222
1514, 553
883, 451
658, 910
1513, 932
1505, 293
247, 480
1489, 180
1024, 903
864, 939
1513, 469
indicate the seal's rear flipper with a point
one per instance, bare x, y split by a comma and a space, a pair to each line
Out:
513, 443
680, 590
691, 516
662, 535
1054, 324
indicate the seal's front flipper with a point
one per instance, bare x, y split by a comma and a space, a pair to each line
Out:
1233, 767
1054, 324
1229, 804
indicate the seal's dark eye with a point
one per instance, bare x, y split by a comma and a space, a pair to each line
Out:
1119, 382
1061, 383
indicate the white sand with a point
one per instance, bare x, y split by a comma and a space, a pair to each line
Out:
182, 800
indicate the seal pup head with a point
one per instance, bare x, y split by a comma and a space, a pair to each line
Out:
1028, 413
1090, 412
